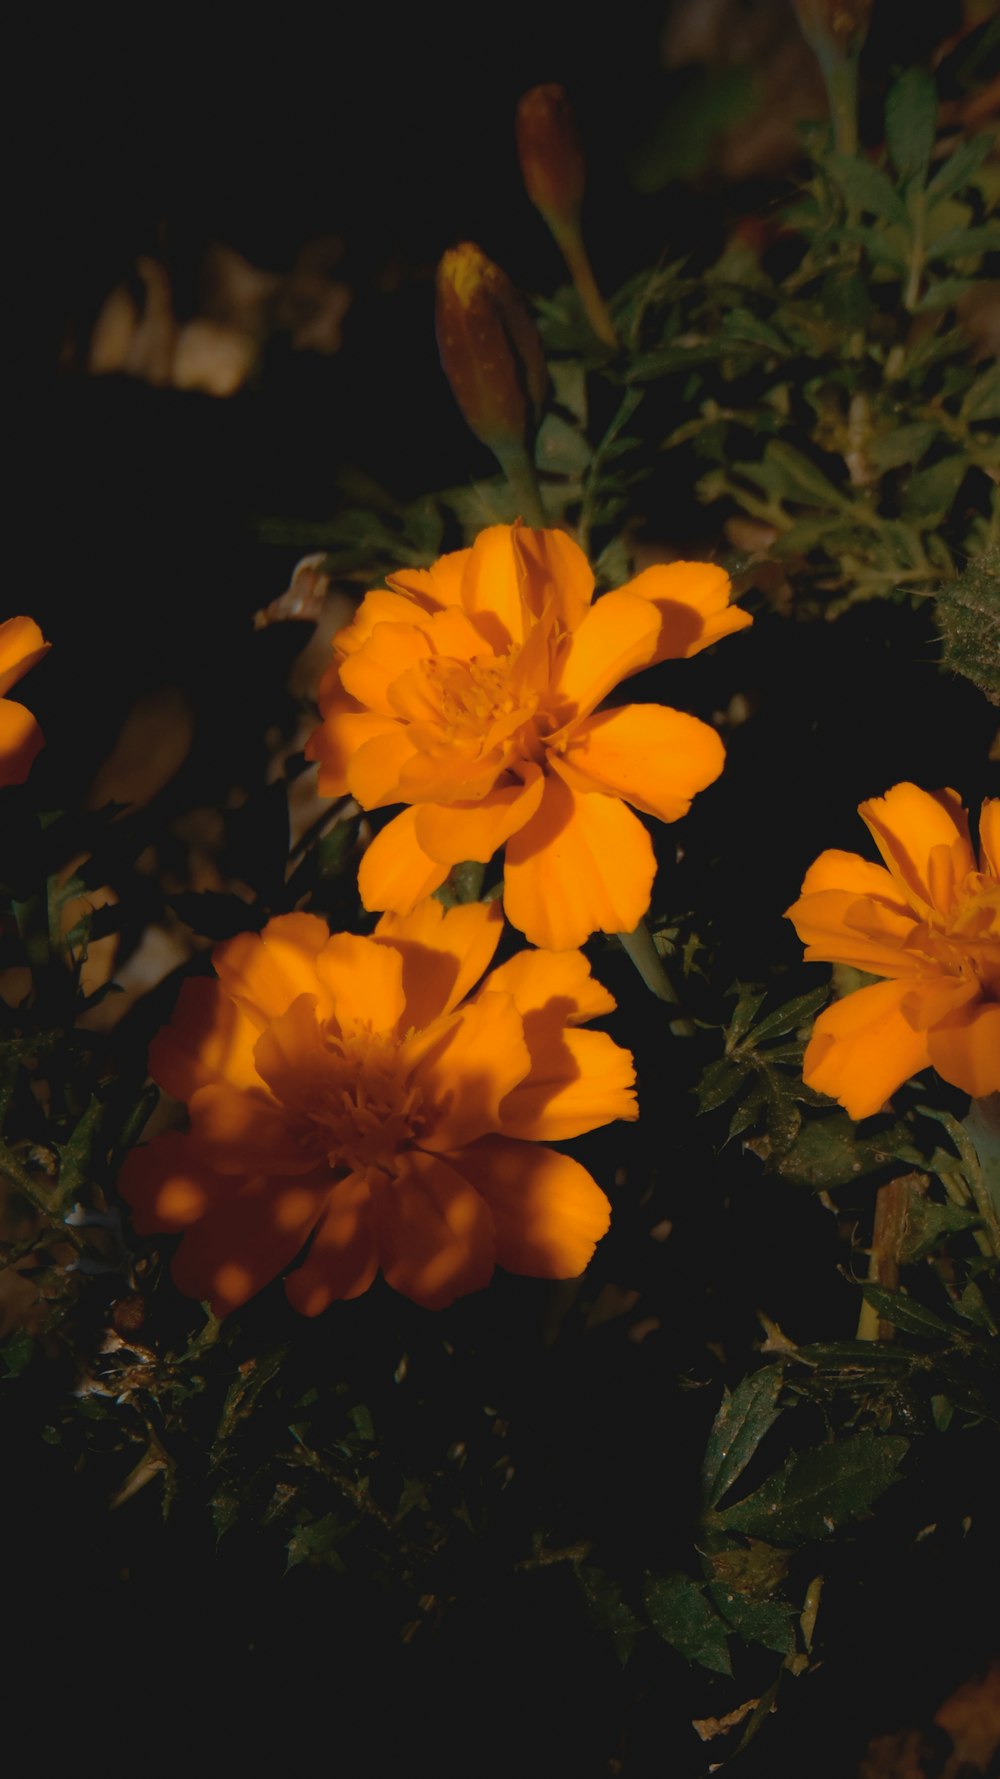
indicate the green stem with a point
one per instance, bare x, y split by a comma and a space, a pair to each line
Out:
917, 255
570, 242
640, 948
840, 73
520, 472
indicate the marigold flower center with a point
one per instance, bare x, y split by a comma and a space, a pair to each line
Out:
965, 938
481, 706
364, 1110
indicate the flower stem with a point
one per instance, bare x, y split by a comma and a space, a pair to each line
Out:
520, 472
982, 1125
577, 260
640, 948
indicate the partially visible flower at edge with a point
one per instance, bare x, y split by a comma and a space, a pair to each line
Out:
929, 924
22, 645
469, 691
363, 1092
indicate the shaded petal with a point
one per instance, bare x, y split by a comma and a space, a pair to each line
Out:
538, 979
863, 1048
343, 1259
444, 954
907, 825
209, 1038
266, 971
374, 772
169, 1184
615, 638
838, 927
936, 998
291, 1058
395, 872
491, 587
556, 573
453, 832
436, 586
341, 735
21, 646
457, 636
444, 774
692, 602
848, 871
654, 757
463, 1066
364, 981
239, 1247
387, 653
579, 1081
434, 1232
21, 740
965, 1049
248, 1133
547, 1212
989, 836
583, 864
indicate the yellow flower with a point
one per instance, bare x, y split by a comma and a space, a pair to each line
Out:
21, 646
929, 924
468, 691
357, 1091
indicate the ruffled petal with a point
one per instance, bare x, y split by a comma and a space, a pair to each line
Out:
578, 1081
21, 740
908, 825
556, 573
291, 1059
440, 585
491, 587
692, 601
444, 954
364, 982
453, 832
209, 1038
552, 979
434, 1232
838, 927
238, 1248
387, 652
863, 1048
848, 871
22, 645
463, 1066
583, 864
965, 1048
547, 1212
989, 836
615, 638
169, 1184
343, 1259
265, 972
344, 731
654, 757
380, 607
396, 873
373, 775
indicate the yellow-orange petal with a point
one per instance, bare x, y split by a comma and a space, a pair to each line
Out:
378, 607
838, 927
343, 732
907, 825
439, 585
615, 638
444, 954
491, 587
292, 1061
343, 1259
937, 998
555, 573
395, 872
654, 757
21, 646
169, 1184
583, 864
21, 740
965, 1048
692, 602
457, 635
364, 982
848, 871
548, 1213
863, 1048
433, 1231
558, 979
246, 1132
209, 1038
579, 1081
444, 774
387, 652
452, 832
989, 836
265, 972
238, 1248
374, 771
463, 1066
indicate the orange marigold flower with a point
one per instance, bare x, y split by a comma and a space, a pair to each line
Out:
930, 924
21, 646
468, 691
358, 1091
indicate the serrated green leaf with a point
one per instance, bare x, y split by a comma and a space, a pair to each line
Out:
719, 1082
907, 1313
930, 493
867, 188
910, 123
828, 1152
679, 1610
816, 1491
738, 1428
956, 172
748, 1004
928, 1224
798, 477
768, 1622
903, 445
791, 1016
968, 614
317, 1542
252, 1377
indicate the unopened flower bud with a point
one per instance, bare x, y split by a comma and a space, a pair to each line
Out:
834, 24
551, 157
490, 348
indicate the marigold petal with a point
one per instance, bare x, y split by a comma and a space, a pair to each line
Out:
395, 872
291, 1059
563, 979
265, 972
555, 572
615, 638
379, 607
839, 927
246, 1132
387, 652
989, 836
936, 998
583, 864
548, 1213
452, 832
492, 587
692, 601
374, 772
907, 825
965, 1049
463, 1066
22, 645
433, 1230
338, 740
579, 1081
654, 757
448, 775
458, 636
343, 1259
238, 1248
439, 585
364, 982
21, 740
169, 1184
209, 1038
863, 1048
848, 871
444, 954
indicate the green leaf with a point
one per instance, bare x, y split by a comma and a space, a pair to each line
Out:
968, 614
983, 399
816, 1491
561, 449
910, 123
757, 1621
904, 444
789, 1018
684, 1618
959, 242
747, 1007
828, 1152
719, 1082
945, 293
738, 1428
958, 169
77, 1156
17, 1352
798, 477
930, 493
317, 1542
928, 1224
907, 1313
242, 1395
867, 188
608, 1610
